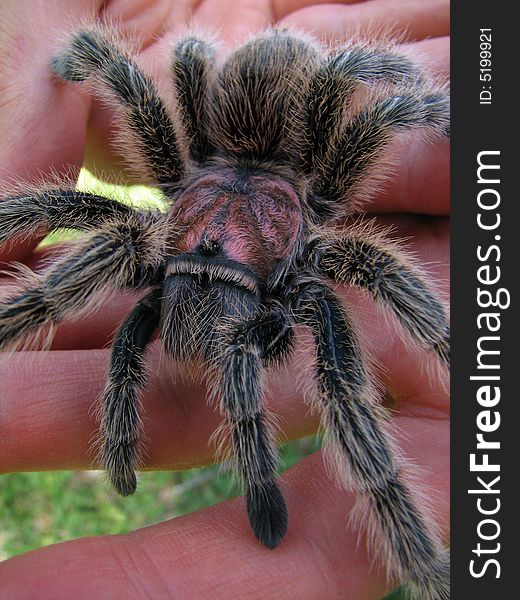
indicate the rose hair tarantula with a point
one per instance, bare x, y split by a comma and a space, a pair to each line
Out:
259, 156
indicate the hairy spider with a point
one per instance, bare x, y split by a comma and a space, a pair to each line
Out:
259, 156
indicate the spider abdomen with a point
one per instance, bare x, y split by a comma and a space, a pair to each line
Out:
253, 219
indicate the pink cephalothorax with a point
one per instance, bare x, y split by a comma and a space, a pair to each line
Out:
253, 219
262, 154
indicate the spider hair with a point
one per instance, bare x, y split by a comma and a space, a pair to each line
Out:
258, 158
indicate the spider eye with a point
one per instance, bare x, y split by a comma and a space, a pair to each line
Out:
209, 247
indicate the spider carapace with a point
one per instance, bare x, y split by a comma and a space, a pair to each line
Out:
249, 218
228, 232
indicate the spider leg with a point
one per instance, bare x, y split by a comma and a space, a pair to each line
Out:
120, 423
91, 53
45, 210
253, 443
256, 93
192, 67
392, 279
355, 424
351, 157
332, 87
124, 254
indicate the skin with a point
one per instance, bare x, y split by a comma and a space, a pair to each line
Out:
46, 404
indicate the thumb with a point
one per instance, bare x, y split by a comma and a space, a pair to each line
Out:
42, 123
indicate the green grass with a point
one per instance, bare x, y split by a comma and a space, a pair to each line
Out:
38, 509
134, 195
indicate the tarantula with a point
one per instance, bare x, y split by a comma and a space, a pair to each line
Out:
258, 157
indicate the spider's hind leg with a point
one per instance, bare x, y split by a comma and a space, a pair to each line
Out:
342, 176
41, 211
91, 52
410, 550
332, 88
192, 67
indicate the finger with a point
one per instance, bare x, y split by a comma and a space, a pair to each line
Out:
50, 399
143, 19
411, 19
50, 118
282, 8
48, 403
233, 21
214, 554
419, 183
433, 55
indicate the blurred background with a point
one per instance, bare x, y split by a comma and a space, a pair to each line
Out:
37, 509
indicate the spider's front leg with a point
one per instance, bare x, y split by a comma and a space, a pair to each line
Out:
254, 448
92, 53
124, 253
120, 422
406, 544
367, 260
42, 211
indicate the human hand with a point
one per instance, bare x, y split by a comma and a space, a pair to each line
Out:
212, 553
